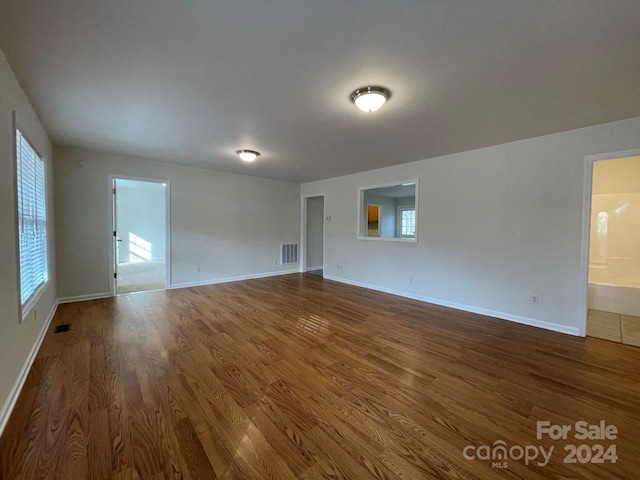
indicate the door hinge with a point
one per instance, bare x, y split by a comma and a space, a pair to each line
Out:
114, 233
114, 191
115, 275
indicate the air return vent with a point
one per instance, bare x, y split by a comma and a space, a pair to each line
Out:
288, 253
62, 328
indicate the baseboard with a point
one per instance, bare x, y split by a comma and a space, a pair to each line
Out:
532, 322
97, 296
82, 298
232, 279
14, 394
310, 269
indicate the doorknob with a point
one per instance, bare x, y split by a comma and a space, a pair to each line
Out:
118, 239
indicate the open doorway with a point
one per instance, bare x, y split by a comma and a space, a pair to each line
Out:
613, 291
314, 235
140, 235
374, 220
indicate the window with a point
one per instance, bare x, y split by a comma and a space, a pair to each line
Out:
388, 212
32, 220
407, 221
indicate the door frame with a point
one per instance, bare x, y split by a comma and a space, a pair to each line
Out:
110, 225
366, 220
303, 231
587, 189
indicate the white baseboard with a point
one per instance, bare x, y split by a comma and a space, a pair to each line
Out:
14, 394
556, 327
232, 279
309, 269
82, 298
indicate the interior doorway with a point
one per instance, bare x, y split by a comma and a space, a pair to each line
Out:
140, 235
314, 235
374, 220
613, 290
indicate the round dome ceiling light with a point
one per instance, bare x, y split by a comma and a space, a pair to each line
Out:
370, 99
247, 155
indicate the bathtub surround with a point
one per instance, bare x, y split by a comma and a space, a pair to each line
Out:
614, 257
621, 299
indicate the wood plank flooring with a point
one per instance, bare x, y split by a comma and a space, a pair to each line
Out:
297, 377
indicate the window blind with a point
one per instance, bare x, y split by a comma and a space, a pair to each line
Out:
32, 220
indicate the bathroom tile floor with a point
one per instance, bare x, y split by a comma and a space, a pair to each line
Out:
614, 327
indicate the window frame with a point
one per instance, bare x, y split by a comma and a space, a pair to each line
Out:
29, 304
405, 208
361, 217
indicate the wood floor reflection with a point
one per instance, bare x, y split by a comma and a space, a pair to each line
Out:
298, 377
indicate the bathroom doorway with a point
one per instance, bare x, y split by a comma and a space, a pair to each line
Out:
613, 289
140, 240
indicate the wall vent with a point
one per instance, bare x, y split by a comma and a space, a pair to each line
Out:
288, 253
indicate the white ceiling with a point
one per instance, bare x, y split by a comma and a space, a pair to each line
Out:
192, 81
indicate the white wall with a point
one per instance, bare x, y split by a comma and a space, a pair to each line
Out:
496, 226
315, 232
17, 340
141, 212
229, 225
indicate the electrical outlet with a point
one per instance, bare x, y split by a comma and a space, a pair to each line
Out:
275, 262
35, 315
535, 300
197, 268
410, 279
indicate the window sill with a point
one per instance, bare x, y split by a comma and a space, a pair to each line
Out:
386, 239
32, 301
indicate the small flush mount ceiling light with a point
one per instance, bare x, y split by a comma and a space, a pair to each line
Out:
247, 155
370, 99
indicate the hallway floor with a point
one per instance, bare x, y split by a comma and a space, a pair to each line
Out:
614, 327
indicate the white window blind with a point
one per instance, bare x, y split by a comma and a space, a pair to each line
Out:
32, 220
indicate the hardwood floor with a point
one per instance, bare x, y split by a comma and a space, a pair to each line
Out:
297, 377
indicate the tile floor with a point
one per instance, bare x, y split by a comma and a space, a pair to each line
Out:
614, 327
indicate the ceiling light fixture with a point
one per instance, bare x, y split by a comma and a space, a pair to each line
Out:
369, 99
247, 155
